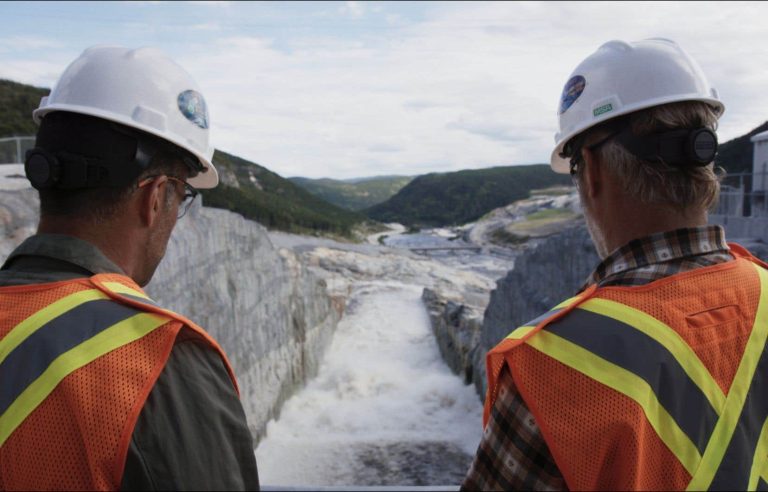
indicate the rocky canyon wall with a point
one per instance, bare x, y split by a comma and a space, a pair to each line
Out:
273, 318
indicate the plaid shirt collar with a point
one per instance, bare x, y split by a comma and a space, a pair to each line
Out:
658, 250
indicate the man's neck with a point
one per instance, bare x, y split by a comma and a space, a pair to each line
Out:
628, 223
109, 237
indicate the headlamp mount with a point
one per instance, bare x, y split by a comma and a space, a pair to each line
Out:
75, 151
695, 147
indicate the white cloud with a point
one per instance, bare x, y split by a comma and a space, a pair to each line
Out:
469, 85
35, 61
205, 26
24, 43
353, 9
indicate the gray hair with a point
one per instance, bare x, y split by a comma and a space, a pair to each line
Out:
684, 188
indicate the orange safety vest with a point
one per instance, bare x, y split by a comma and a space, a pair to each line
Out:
662, 386
78, 360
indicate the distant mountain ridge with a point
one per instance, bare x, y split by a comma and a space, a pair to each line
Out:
246, 188
17, 101
735, 156
441, 199
264, 196
435, 199
354, 194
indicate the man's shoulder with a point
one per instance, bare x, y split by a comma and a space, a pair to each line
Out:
193, 355
45, 258
193, 385
547, 316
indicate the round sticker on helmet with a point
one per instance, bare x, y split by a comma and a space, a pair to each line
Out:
192, 106
572, 90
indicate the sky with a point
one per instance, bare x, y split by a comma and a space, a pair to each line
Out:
356, 89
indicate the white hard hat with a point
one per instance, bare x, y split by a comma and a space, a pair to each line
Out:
622, 77
142, 89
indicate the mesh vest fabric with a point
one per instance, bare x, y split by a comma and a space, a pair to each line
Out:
601, 438
77, 437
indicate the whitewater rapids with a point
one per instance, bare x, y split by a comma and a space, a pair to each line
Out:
384, 408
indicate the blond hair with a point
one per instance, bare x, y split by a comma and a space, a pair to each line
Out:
682, 187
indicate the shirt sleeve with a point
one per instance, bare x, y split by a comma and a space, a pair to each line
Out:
512, 454
192, 432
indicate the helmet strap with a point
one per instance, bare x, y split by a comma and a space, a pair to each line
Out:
695, 147
75, 151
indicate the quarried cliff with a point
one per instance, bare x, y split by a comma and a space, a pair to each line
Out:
273, 318
544, 275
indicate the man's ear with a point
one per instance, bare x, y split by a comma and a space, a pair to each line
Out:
152, 200
593, 174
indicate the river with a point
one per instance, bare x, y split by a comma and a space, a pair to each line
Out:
384, 408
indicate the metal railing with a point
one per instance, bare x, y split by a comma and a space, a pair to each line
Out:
743, 195
13, 149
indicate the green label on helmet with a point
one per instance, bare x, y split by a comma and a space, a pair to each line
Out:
602, 109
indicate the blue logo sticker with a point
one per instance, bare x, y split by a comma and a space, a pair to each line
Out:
192, 106
572, 90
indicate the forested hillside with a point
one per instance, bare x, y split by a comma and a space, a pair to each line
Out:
246, 188
354, 194
435, 199
735, 156
261, 195
17, 101
439, 199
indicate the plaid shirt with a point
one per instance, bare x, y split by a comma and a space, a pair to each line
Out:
512, 453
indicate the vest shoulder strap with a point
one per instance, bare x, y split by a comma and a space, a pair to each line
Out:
721, 439
737, 455
53, 342
740, 251
124, 290
495, 358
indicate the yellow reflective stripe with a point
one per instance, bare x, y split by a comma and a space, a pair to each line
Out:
626, 383
114, 337
119, 288
669, 339
760, 462
737, 395
23, 330
520, 332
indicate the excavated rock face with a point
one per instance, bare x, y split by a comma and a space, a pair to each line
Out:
273, 318
457, 330
19, 210
548, 272
543, 276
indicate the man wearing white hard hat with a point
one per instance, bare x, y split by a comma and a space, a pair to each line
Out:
655, 374
100, 387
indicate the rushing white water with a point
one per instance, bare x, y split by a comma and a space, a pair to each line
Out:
384, 408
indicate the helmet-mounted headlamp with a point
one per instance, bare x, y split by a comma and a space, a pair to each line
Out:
679, 148
76, 151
